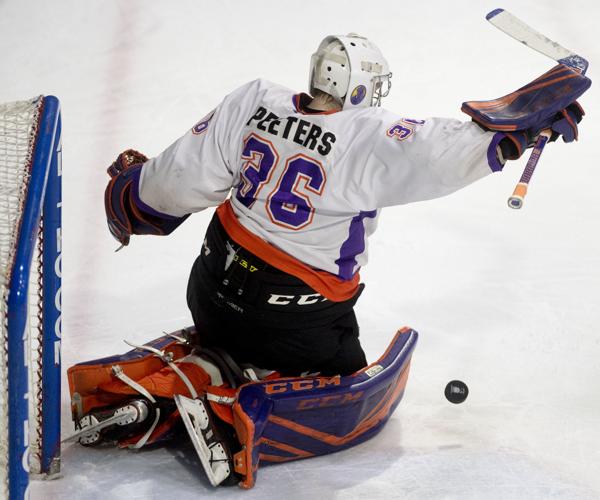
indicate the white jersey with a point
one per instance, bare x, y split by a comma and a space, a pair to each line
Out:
313, 185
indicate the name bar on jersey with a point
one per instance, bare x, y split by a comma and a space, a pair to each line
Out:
302, 132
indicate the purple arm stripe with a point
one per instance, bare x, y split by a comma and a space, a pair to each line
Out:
353, 246
135, 195
492, 153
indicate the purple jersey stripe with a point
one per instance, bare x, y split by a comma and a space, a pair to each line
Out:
354, 245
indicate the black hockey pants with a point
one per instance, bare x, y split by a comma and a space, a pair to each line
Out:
266, 317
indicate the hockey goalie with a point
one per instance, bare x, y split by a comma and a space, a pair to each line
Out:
273, 369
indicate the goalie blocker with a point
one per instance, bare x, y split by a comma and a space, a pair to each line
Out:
266, 419
546, 103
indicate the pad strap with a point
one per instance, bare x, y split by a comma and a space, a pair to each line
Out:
120, 374
168, 359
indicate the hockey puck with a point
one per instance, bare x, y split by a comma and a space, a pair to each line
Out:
456, 391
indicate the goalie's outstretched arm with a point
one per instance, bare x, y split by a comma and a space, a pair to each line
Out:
126, 214
154, 196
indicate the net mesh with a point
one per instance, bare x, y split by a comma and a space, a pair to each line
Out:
18, 129
34, 351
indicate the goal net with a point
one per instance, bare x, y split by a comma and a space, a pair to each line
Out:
30, 300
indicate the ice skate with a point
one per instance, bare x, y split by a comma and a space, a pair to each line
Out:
210, 443
112, 423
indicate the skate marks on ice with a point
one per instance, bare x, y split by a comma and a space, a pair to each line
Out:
380, 469
107, 472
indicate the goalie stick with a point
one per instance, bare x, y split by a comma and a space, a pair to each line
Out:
516, 200
517, 29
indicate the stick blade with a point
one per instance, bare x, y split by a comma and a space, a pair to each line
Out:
517, 29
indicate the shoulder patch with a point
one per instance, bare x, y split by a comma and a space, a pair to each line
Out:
404, 128
202, 125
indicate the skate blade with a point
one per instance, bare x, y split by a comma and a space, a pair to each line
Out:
125, 415
93, 428
195, 417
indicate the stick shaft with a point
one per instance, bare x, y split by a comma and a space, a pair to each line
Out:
518, 196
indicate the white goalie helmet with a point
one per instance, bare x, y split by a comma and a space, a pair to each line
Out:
352, 70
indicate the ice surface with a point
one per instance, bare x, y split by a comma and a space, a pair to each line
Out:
507, 301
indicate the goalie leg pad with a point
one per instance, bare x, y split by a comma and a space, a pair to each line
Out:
165, 382
291, 418
85, 378
100, 387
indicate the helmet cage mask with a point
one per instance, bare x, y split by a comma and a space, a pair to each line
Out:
381, 88
362, 78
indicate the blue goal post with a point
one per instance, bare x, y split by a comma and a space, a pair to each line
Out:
30, 232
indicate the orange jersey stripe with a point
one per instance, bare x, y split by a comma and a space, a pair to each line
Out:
327, 284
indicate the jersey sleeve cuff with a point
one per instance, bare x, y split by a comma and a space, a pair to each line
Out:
495, 163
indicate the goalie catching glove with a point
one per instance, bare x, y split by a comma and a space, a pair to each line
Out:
126, 214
